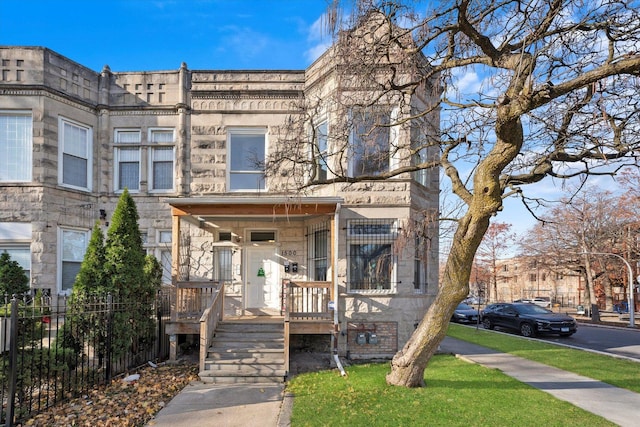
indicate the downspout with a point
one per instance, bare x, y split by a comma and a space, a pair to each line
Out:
336, 321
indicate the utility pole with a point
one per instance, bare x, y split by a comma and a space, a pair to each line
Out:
630, 296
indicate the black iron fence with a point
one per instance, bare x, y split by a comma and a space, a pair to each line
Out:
51, 353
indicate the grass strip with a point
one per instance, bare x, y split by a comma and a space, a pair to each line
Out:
617, 372
457, 394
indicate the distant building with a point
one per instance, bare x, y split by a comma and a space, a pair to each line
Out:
525, 277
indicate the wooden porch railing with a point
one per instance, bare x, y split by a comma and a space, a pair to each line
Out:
306, 300
208, 323
193, 298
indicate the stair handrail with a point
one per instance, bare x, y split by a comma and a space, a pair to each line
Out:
208, 323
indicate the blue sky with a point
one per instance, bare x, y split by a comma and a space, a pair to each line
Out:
134, 35
138, 35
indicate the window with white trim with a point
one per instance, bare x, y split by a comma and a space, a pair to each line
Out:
372, 142
130, 149
161, 161
75, 154
127, 159
246, 154
73, 245
16, 146
371, 255
163, 254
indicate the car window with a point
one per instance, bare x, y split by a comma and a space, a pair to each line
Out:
531, 309
462, 306
492, 308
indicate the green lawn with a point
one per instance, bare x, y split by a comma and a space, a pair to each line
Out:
618, 372
457, 394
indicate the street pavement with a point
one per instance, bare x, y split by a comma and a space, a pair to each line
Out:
268, 405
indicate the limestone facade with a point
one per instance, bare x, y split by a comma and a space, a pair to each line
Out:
166, 135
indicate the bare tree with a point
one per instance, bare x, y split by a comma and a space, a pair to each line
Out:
497, 240
556, 97
575, 233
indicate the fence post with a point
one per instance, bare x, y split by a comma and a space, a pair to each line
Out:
159, 308
13, 361
109, 338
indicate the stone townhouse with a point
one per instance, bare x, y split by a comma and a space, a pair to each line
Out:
338, 261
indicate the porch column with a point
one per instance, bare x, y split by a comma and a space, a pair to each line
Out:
175, 268
334, 273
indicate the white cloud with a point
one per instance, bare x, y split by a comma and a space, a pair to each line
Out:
316, 31
318, 36
315, 51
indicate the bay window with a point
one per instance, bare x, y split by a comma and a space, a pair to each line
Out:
320, 152
371, 255
370, 143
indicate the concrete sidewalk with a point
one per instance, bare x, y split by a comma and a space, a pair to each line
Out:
224, 405
267, 405
614, 404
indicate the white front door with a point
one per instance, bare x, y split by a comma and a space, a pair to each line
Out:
262, 283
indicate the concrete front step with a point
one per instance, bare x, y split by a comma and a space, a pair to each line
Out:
266, 370
246, 353
235, 379
277, 359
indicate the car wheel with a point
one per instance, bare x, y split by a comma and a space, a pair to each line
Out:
526, 330
487, 324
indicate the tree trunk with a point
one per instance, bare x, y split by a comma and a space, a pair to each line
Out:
408, 365
608, 294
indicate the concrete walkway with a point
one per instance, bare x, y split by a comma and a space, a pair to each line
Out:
223, 405
267, 405
614, 404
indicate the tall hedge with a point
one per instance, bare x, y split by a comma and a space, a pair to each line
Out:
127, 279
118, 266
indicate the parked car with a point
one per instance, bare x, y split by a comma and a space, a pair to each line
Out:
474, 300
541, 301
528, 319
465, 314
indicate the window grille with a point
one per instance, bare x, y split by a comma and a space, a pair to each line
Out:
223, 270
318, 251
371, 254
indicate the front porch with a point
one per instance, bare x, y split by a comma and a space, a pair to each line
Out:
199, 309
252, 261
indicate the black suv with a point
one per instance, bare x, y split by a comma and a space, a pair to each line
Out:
528, 319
